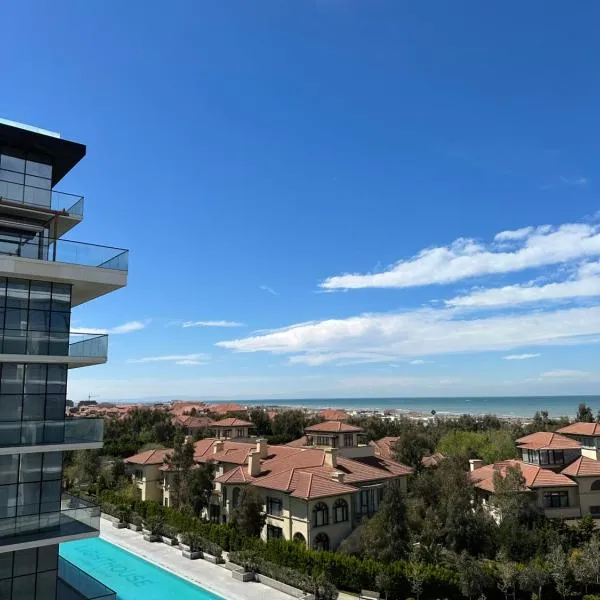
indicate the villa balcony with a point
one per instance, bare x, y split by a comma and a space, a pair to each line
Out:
72, 579
61, 521
90, 269
75, 349
61, 210
69, 434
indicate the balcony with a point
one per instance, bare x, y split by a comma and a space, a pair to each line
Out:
72, 578
57, 347
70, 434
62, 210
91, 269
61, 521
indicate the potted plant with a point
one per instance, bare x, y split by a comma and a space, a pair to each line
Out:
122, 515
191, 545
135, 522
168, 534
152, 529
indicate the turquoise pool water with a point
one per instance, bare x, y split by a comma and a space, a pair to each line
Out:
131, 577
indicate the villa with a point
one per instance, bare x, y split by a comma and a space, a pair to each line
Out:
316, 493
561, 471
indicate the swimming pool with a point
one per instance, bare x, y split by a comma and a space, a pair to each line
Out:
131, 577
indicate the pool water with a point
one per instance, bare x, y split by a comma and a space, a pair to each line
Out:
131, 577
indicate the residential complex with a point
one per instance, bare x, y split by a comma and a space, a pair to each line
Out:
316, 491
42, 277
561, 470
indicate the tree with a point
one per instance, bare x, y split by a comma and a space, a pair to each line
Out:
534, 576
411, 447
84, 468
289, 424
261, 421
472, 580
584, 413
507, 575
384, 536
415, 572
201, 487
383, 582
558, 563
249, 518
180, 463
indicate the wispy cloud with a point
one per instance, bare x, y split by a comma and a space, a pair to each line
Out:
564, 373
418, 361
521, 356
266, 288
576, 181
511, 251
212, 324
128, 327
423, 332
179, 359
585, 284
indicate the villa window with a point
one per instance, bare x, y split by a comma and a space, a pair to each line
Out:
320, 515
366, 501
274, 506
595, 487
226, 433
235, 497
139, 474
552, 457
348, 439
274, 533
323, 440
556, 499
340, 511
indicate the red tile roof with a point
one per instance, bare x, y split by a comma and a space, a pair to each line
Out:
299, 443
149, 457
192, 422
301, 484
222, 408
580, 428
385, 446
583, 467
332, 427
547, 440
535, 477
334, 414
231, 422
434, 460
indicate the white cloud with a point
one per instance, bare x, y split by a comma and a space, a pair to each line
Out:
128, 327
577, 181
521, 356
212, 324
585, 284
174, 358
465, 258
266, 288
188, 361
561, 373
418, 361
423, 332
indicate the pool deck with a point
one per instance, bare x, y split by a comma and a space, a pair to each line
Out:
211, 577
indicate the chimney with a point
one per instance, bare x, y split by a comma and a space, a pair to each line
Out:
262, 448
254, 464
475, 463
331, 457
338, 476
218, 446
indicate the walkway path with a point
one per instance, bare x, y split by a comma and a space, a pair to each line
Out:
211, 577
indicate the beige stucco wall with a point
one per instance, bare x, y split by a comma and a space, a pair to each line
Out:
150, 485
335, 531
571, 512
587, 497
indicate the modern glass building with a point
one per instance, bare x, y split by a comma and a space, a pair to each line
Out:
42, 277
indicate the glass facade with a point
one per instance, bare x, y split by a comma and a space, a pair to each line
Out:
29, 574
25, 177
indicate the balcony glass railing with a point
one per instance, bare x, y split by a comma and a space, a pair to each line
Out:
38, 196
86, 585
64, 517
34, 433
88, 345
66, 251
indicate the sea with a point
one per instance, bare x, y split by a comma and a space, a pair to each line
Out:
504, 406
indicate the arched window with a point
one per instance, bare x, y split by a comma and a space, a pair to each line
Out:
235, 497
299, 538
320, 515
596, 486
340, 511
322, 542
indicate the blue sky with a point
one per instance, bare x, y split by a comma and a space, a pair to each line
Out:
337, 178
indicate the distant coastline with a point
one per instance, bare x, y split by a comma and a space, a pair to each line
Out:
502, 406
